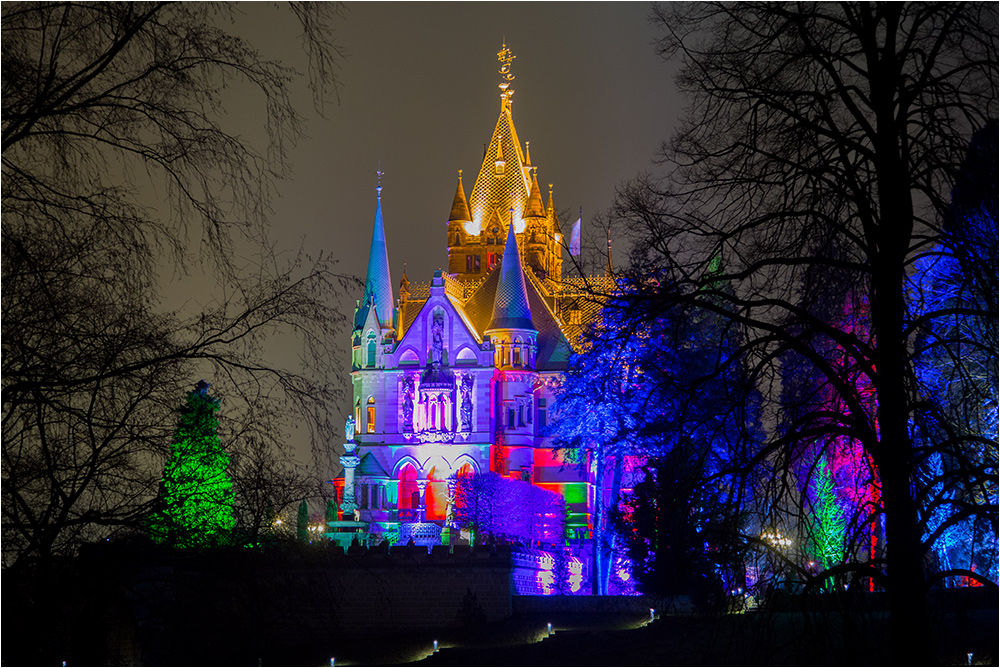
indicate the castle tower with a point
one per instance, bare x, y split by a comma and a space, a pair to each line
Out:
514, 339
378, 283
506, 191
373, 329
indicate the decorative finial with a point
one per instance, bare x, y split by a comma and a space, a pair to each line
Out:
460, 175
505, 57
379, 173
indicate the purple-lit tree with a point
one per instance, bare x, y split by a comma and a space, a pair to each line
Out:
497, 509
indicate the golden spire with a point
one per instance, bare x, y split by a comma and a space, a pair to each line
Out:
505, 57
533, 207
459, 206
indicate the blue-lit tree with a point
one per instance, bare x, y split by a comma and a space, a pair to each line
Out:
801, 161
647, 392
956, 313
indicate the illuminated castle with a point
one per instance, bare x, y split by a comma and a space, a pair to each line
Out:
457, 376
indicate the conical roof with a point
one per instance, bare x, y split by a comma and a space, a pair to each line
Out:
550, 210
505, 186
459, 207
510, 306
534, 208
378, 284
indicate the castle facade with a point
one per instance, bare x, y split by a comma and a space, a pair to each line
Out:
457, 375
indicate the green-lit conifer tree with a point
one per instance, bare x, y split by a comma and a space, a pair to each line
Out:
197, 495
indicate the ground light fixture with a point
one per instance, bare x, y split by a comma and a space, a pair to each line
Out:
435, 645
652, 615
550, 629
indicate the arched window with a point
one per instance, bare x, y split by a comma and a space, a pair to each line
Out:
409, 494
370, 362
357, 415
516, 351
371, 415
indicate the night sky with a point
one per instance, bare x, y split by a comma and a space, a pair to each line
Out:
418, 92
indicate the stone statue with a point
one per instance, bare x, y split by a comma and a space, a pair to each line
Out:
349, 429
466, 408
407, 403
437, 338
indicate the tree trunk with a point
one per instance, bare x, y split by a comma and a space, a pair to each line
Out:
909, 628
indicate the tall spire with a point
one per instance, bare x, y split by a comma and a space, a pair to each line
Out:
510, 306
459, 207
503, 181
533, 208
378, 284
550, 211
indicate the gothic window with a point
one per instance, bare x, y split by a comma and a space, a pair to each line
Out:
476, 264
542, 413
520, 416
357, 414
527, 413
371, 415
510, 417
408, 488
371, 350
516, 352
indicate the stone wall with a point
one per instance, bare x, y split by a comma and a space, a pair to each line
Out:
231, 606
663, 605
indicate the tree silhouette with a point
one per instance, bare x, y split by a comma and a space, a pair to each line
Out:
118, 169
816, 157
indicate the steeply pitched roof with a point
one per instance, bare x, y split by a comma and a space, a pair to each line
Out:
510, 304
534, 208
378, 283
506, 190
459, 207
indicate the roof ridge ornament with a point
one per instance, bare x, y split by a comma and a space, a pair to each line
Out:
506, 76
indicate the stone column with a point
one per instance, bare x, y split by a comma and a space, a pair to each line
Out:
349, 462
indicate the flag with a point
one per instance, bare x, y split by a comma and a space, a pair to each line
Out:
574, 238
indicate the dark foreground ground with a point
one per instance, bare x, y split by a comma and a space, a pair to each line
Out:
765, 639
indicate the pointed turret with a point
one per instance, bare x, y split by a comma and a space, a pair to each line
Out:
460, 206
533, 208
502, 182
510, 306
378, 284
550, 211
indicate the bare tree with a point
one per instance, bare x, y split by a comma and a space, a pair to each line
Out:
816, 160
117, 169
